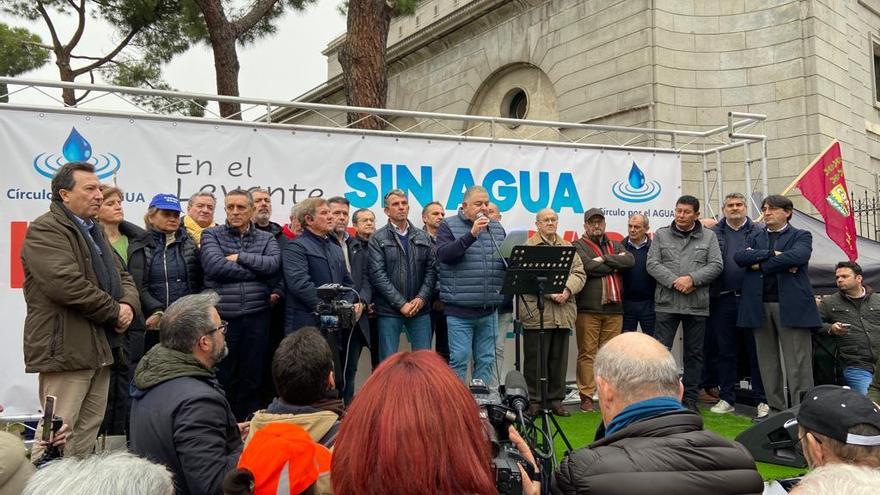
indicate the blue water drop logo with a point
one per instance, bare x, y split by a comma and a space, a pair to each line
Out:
636, 189
76, 148
636, 177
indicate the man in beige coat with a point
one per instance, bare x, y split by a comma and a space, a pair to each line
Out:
560, 313
80, 300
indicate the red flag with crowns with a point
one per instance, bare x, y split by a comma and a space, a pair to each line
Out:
823, 183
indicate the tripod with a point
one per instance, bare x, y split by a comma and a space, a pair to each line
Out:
538, 270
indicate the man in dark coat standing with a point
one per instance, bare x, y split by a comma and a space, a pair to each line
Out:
179, 413
311, 260
241, 263
777, 302
79, 301
722, 335
651, 445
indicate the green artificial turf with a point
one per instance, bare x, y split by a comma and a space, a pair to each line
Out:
581, 427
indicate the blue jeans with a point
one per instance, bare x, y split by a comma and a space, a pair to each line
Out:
418, 332
857, 379
473, 335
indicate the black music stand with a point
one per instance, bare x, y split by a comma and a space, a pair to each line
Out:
540, 270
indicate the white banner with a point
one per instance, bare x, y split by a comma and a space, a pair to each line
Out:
146, 157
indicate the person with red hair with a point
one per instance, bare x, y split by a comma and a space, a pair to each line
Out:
414, 428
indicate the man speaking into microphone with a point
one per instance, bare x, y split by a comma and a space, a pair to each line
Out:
471, 274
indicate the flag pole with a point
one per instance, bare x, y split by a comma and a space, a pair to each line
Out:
802, 174
804, 171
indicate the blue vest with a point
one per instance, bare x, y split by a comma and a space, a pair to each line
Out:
475, 280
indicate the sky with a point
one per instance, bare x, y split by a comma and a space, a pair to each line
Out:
283, 66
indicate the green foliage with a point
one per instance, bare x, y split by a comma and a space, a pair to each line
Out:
20, 51
144, 74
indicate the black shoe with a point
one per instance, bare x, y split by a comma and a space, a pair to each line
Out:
691, 405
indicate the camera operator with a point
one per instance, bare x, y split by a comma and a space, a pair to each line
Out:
312, 260
446, 445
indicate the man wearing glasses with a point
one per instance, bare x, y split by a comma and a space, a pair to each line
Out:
777, 302
600, 303
179, 414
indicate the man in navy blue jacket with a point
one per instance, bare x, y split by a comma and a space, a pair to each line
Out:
470, 276
310, 261
722, 335
777, 302
240, 263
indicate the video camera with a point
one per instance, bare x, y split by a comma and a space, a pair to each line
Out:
334, 313
498, 414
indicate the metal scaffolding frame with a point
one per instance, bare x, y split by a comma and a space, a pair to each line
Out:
162, 105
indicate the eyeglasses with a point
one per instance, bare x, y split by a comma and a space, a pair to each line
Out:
222, 328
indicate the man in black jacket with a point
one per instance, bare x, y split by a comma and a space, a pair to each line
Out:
651, 445
852, 318
403, 272
179, 413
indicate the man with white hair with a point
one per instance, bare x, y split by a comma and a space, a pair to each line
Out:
110, 473
651, 444
839, 478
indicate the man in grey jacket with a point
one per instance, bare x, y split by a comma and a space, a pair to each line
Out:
684, 258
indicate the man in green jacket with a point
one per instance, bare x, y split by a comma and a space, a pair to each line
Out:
79, 301
852, 317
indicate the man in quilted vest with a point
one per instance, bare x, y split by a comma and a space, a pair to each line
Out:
470, 274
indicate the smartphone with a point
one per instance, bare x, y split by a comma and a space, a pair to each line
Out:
48, 416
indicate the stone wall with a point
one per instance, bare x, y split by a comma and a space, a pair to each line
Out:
680, 64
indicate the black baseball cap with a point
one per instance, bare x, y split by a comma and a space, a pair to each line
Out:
592, 212
832, 411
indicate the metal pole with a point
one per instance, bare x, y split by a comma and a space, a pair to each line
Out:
705, 179
719, 180
748, 173
765, 182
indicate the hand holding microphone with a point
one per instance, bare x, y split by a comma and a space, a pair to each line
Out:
480, 224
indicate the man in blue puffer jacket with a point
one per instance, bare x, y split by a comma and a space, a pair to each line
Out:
240, 263
470, 275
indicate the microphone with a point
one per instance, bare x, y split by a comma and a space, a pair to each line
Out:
516, 390
492, 237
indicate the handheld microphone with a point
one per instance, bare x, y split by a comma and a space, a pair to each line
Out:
516, 390
492, 237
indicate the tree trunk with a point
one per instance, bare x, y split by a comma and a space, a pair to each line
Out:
362, 56
226, 66
62, 60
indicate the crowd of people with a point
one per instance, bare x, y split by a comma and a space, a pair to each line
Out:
203, 342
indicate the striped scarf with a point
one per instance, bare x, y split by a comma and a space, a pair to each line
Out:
612, 287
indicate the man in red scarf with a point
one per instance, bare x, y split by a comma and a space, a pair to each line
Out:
600, 303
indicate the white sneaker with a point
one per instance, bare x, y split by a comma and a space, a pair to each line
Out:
722, 407
763, 410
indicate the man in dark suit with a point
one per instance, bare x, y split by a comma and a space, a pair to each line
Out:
777, 302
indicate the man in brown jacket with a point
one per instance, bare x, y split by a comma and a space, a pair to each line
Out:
79, 299
600, 304
560, 312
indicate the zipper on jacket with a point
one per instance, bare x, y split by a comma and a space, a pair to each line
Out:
165, 272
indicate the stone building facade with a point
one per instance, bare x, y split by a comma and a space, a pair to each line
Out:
810, 65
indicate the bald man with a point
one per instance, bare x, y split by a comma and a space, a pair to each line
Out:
647, 431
